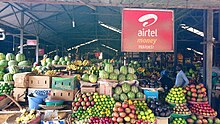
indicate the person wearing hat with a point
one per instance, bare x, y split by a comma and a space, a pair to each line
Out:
166, 82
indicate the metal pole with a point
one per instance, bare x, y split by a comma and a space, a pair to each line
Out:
175, 46
22, 32
209, 56
37, 49
204, 46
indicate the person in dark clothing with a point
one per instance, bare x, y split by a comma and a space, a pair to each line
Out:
166, 82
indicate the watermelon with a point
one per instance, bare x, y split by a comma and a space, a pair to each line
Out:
1, 75
93, 78
139, 95
131, 70
54, 62
130, 77
118, 90
123, 70
56, 58
12, 62
66, 58
2, 68
116, 97
59, 63
134, 89
23, 63
20, 57
8, 77
121, 77
109, 68
48, 60
63, 63
131, 95
103, 74
49, 64
3, 63
123, 97
13, 69
126, 87
10, 56
85, 77
116, 71
68, 63
2, 56
113, 76
134, 76
61, 59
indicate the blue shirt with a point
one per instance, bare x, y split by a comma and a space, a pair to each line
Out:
181, 79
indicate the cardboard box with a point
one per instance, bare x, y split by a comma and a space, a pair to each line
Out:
151, 94
64, 83
162, 120
66, 95
88, 89
20, 94
40, 81
105, 88
21, 80
41, 92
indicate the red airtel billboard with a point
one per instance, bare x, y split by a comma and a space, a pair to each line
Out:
147, 30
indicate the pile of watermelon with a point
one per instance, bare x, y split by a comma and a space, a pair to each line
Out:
11, 62
127, 92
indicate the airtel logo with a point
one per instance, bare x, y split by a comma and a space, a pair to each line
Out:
146, 18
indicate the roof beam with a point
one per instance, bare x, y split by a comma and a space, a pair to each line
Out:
88, 5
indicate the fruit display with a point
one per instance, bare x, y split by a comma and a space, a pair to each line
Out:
83, 100
97, 120
6, 88
103, 106
127, 91
178, 121
181, 109
176, 96
159, 109
198, 119
196, 93
90, 78
26, 116
124, 113
8, 77
203, 109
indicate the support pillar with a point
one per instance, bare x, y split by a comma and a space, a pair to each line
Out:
175, 46
204, 45
22, 32
209, 55
37, 49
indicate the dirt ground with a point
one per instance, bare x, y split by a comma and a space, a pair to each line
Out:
3, 117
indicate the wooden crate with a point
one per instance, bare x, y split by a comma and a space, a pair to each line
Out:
40, 81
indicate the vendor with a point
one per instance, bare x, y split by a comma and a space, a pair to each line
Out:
181, 79
166, 82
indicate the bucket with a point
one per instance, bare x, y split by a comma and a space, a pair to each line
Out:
33, 102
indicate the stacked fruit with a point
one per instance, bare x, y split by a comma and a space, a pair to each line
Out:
140, 105
178, 121
126, 91
196, 93
83, 101
181, 109
176, 96
160, 109
26, 116
6, 88
97, 120
90, 78
201, 120
203, 109
124, 113
100, 106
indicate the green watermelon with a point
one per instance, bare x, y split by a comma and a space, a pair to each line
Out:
56, 58
123, 97
103, 74
2, 56
85, 77
13, 69
113, 76
126, 87
59, 63
116, 97
63, 63
68, 63
2, 68
118, 90
48, 60
8, 77
12, 62
10, 56
116, 71
61, 59
140, 95
54, 62
134, 76
134, 89
131, 70
3, 63
49, 64
123, 70
1, 75
20, 57
23, 64
131, 95
109, 68
66, 58
130, 77
121, 77
93, 78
